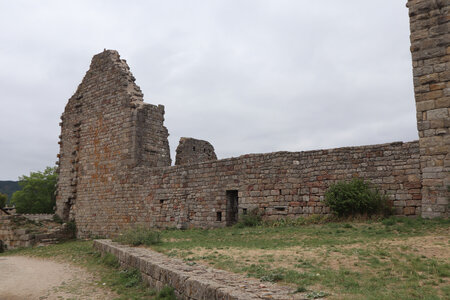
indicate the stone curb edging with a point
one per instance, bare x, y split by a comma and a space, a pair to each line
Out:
192, 282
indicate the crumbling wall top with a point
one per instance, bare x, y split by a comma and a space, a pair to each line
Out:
190, 151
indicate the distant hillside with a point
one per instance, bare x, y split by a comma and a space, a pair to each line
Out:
9, 187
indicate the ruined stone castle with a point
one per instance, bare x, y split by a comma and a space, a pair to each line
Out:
115, 167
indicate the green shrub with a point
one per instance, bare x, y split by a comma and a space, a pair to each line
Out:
110, 260
272, 277
250, 220
167, 293
389, 221
3, 200
57, 219
139, 236
71, 228
130, 277
356, 197
316, 295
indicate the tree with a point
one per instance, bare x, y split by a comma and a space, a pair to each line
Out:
38, 192
3, 200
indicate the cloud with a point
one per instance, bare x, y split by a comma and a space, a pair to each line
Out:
249, 76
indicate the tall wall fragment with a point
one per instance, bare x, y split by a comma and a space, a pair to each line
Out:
115, 172
114, 161
430, 48
106, 129
191, 151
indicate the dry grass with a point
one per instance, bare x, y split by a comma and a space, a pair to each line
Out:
397, 258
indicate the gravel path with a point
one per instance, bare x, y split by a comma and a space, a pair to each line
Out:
33, 278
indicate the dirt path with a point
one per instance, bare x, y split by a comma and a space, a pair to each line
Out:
32, 278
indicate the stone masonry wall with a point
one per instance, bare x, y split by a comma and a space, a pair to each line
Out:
115, 165
106, 130
27, 230
115, 172
13, 237
38, 217
430, 48
152, 144
282, 184
191, 151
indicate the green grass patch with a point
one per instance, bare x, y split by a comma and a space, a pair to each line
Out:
250, 220
342, 260
110, 260
166, 293
139, 236
336, 260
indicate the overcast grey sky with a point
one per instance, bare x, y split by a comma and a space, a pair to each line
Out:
250, 76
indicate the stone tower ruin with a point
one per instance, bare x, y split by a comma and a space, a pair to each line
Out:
430, 48
115, 167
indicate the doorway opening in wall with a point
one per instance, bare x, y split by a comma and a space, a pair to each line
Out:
232, 207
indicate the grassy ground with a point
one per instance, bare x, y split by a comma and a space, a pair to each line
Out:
126, 283
398, 258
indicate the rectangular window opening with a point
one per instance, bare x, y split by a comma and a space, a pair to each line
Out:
219, 216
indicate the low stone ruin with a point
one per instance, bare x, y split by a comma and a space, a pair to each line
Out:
18, 231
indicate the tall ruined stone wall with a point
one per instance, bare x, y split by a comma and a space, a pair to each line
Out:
115, 164
152, 145
106, 130
115, 167
430, 48
282, 184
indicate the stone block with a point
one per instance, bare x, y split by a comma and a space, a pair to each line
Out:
436, 114
195, 289
425, 105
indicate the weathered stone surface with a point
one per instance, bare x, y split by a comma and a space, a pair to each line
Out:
114, 162
17, 231
115, 171
429, 24
106, 130
195, 282
191, 151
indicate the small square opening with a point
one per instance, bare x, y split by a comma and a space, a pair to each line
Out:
244, 211
161, 201
219, 216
